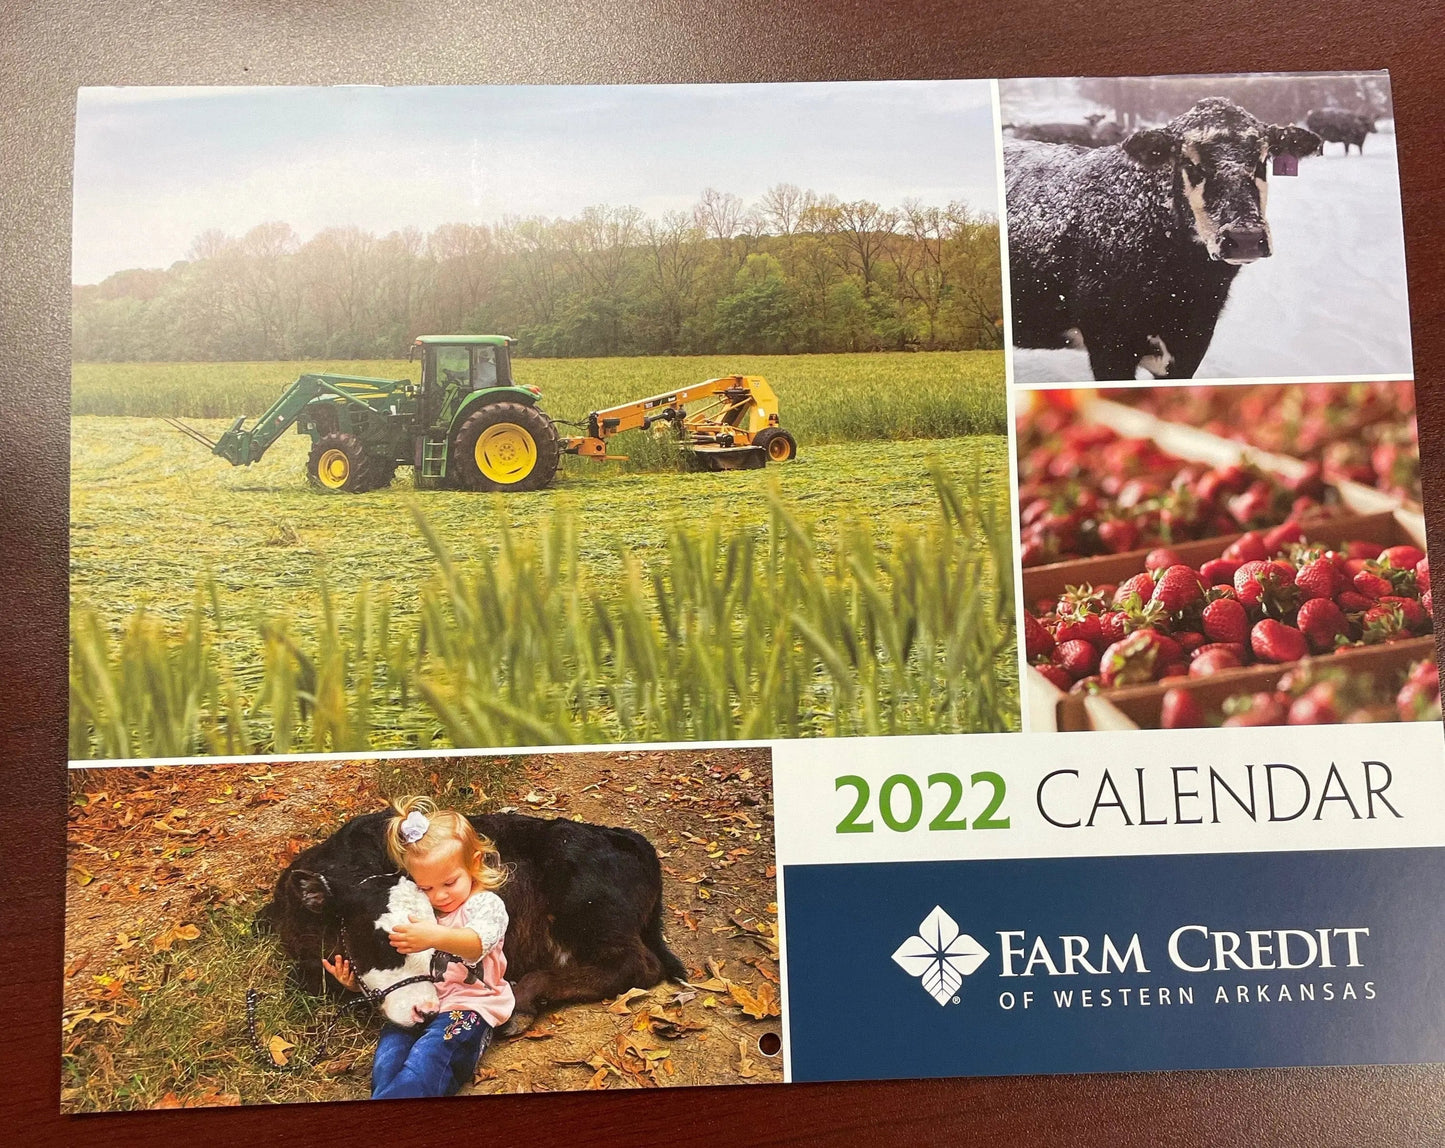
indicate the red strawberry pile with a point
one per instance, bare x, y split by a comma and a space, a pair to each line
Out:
1270, 597
1316, 693
1085, 490
1363, 432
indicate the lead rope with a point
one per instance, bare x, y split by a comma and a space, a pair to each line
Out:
440, 961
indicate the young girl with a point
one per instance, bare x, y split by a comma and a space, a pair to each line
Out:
457, 870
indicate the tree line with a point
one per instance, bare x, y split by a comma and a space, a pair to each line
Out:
793, 272
1285, 99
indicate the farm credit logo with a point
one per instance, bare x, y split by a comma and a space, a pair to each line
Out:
1247, 965
940, 956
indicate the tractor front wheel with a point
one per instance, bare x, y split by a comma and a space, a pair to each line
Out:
339, 463
505, 446
777, 444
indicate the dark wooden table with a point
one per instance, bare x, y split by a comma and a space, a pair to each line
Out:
47, 50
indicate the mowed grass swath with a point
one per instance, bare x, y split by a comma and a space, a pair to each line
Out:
723, 634
826, 398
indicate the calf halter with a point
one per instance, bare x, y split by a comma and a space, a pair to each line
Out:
439, 962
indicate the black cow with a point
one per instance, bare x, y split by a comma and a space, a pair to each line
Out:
1129, 250
1089, 134
1334, 125
584, 904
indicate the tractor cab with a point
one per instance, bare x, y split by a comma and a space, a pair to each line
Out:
466, 362
454, 367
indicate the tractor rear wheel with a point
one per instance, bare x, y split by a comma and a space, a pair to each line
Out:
777, 444
505, 446
340, 463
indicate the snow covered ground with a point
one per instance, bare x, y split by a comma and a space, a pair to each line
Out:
1330, 301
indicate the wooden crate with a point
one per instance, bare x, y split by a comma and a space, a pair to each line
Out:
1049, 708
1138, 707
1387, 527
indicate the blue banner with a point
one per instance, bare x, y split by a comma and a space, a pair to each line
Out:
1118, 963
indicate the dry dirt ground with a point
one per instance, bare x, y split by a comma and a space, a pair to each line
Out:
161, 857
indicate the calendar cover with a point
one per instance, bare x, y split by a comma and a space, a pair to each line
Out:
586, 588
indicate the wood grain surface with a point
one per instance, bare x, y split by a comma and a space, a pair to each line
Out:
47, 50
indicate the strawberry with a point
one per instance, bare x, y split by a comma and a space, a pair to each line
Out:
1178, 588
1273, 641
1089, 685
1361, 549
1141, 584
1247, 547
1189, 640
1179, 709
1266, 585
1256, 709
1218, 572
1211, 660
1118, 535
1174, 670
1079, 658
1253, 505
1038, 642
1322, 623
1422, 574
1113, 626
1419, 697
1383, 623
1080, 627
1318, 578
1226, 621
1316, 706
1161, 559
1282, 535
1133, 659
1416, 619
1236, 650
1426, 602
1353, 602
1404, 557
1057, 675
1371, 585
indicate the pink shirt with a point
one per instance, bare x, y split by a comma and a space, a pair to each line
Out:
482, 986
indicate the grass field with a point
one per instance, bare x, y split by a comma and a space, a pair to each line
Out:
863, 588
824, 398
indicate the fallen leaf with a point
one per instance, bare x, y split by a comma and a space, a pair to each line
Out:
83, 876
746, 1068
175, 933
619, 1006
278, 1047
169, 1100
760, 1005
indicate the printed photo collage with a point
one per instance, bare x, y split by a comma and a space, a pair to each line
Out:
478, 493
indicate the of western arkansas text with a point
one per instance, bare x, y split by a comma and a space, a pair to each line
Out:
1165, 996
1195, 795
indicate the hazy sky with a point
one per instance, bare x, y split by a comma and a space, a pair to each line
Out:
154, 167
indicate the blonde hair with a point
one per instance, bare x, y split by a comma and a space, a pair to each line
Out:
446, 827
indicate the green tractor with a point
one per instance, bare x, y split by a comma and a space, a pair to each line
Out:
466, 426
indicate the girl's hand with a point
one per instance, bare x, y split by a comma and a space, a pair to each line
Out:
340, 968
413, 937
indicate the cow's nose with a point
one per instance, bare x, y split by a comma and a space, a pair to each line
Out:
1243, 244
420, 1015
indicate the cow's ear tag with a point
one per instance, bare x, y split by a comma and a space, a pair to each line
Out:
1286, 164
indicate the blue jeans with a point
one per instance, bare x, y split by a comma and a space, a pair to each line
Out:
435, 1060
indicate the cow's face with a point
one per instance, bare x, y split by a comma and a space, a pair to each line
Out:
1220, 156
369, 909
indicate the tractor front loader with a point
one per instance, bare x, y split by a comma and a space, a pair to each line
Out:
466, 425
